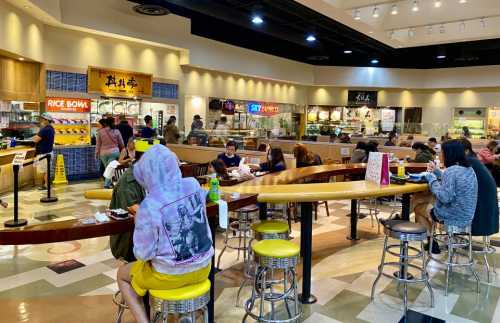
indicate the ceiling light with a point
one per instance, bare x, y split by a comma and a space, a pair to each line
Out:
415, 7
441, 56
370, 32
374, 61
347, 51
462, 1
429, 30
437, 3
441, 29
394, 10
483, 22
311, 38
461, 27
357, 15
257, 20
21, 58
375, 13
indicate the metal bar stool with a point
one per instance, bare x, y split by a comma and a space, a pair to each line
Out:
185, 301
122, 306
406, 232
241, 229
265, 230
458, 241
485, 249
271, 256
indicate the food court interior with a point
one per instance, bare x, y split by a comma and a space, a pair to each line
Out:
316, 129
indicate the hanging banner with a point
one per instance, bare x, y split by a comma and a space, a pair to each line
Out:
119, 83
67, 105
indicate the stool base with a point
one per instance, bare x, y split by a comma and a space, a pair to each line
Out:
310, 300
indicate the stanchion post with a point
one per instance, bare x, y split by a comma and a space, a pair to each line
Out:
16, 222
48, 198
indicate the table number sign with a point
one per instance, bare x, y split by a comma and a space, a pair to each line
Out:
377, 170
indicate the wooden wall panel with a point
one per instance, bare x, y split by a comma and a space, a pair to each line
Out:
20, 81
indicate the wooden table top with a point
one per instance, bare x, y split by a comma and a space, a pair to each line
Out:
294, 175
324, 191
74, 230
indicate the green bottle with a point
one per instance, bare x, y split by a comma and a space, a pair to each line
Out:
214, 193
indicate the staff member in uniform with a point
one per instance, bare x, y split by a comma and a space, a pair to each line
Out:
44, 143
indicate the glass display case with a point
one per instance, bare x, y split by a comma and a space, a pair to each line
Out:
19, 119
473, 118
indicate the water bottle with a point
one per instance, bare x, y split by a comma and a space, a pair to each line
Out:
214, 192
13, 142
401, 169
437, 162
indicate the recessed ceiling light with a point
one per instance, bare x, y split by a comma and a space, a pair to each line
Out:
415, 7
347, 51
374, 61
441, 56
370, 32
357, 15
394, 9
437, 3
462, 1
21, 58
311, 38
257, 20
375, 13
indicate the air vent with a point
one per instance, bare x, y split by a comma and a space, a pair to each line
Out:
318, 58
151, 10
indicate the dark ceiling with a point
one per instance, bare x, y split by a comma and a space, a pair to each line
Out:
287, 23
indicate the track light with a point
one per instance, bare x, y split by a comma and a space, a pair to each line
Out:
257, 20
482, 22
357, 15
442, 30
374, 61
311, 38
375, 13
394, 9
415, 7
429, 30
437, 4
461, 27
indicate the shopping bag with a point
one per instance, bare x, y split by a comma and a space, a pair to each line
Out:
377, 170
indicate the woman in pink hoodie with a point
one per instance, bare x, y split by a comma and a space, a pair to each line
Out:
172, 239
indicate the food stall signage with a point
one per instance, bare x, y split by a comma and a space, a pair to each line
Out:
263, 109
119, 83
68, 105
368, 98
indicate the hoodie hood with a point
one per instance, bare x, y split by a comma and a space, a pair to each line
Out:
158, 169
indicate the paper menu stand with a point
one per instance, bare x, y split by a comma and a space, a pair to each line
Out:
19, 159
377, 170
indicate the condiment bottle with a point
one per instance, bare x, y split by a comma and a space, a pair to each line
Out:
401, 169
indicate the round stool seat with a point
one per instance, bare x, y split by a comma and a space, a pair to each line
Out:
409, 227
249, 208
405, 230
276, 249
270, 227
184, 293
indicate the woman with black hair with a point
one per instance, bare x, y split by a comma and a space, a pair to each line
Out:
275, 162
455, 188
423, 154
359, 153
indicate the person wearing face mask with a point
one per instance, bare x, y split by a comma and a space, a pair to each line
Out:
230, 158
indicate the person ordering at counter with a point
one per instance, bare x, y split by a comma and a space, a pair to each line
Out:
197, 124
230, 158
44, 144
171, 132
148, 131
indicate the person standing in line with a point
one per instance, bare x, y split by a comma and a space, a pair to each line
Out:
148, 131
44, 144
109, 144
125, 129
171, 133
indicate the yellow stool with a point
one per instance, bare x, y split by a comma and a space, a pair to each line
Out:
271, 256
185, 300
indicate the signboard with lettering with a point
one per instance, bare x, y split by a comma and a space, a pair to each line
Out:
19, 158
67, 105
359, 98
263, 109
119, 83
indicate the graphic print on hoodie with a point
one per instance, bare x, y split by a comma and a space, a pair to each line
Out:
171, 226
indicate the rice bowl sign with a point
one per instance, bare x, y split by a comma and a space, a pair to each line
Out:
263, 109
67, 105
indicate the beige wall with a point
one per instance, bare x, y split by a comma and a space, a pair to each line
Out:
20, 34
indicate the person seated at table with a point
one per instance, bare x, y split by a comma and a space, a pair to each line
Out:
485, 222
455, 188
230, 158
275, 162
423, 153
488, 154
127, 195
219, 168
127, 155
263, 147
359, 153
172, 238
432, 143
304, 157
392, 141
408, 142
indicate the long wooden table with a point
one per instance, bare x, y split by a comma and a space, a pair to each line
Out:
279, 188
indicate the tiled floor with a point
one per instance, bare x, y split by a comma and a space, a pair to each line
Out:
343, 272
